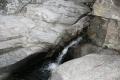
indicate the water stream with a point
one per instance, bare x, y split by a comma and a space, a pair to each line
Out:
42, 70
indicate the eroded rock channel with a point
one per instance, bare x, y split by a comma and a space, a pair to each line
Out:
59, 40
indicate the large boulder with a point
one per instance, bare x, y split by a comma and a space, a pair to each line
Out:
104, 32
90, 67
56, 11
20, 38
107, 9
42, 26
97, 30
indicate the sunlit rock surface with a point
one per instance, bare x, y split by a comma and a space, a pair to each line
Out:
57, 11
90, 67
107, 9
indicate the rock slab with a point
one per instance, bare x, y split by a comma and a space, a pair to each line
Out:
90, 67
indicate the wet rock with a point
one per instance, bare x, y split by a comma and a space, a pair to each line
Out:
107, 9
90, 67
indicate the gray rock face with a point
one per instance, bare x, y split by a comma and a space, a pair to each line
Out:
82, 1
85, 49
90, 67
112, 36
57, 11
105, 32
98, 30
107, 9
40, 27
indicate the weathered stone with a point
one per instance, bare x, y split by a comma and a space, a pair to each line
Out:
82, 1
112, 39
97, 30
105, 32
88, 48
90, 67
85, 49
36, 27
56, 11
16, 33
107, 9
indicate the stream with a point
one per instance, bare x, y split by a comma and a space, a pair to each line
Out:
36, 68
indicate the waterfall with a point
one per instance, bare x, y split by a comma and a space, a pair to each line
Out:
65, 50
52, 66
36, 69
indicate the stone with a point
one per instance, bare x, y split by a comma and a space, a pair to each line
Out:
17, 34
104, 32
112, 36
97, 30
57, 11
16, 6
89, 67
82, 1
88, 48
85, 49
107, 9
27, 27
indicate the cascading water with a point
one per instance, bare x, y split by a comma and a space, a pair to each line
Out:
43, 69
65, 50
53, 65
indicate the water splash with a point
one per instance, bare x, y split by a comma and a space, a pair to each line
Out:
65, 50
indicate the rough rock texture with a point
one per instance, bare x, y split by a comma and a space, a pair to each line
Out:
105, 32
27, 39
82, 1
57, 11
17, 6
107, 9
88, 48
41, 26
112, 39
90, 67
97, 30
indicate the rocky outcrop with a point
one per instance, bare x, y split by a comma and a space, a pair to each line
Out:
97, 30
37, 28
29, 26
104, 32
107, 9
85, 49
90, 67
112, 39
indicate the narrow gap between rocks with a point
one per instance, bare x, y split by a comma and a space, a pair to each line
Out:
39, 67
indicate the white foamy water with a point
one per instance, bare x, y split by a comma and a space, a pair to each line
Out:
53, 66
75, 42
